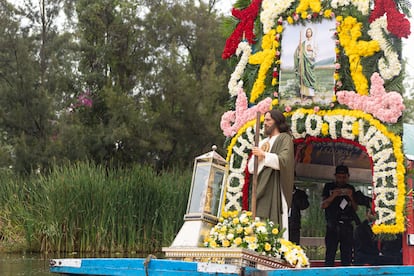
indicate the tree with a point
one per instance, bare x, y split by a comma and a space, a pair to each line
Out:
35, 77
186, 86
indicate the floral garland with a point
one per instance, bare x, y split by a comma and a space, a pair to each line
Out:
397, 24
349, 32
387, 107
271, 9
231, 121
265, 59
234, 83
304, 5
244, 28
391, 67
384, 147
361, 5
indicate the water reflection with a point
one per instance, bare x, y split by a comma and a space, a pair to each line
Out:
35, 264
25, 264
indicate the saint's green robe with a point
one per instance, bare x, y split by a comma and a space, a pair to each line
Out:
271, 182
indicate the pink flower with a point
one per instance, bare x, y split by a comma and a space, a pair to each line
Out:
232, 121
387, 107
275, 94
316, 109
337, 66
288, 108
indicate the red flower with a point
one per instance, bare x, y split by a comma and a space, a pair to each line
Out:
397, 23
245, 191
243, 29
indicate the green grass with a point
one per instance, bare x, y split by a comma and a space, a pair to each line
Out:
86, 208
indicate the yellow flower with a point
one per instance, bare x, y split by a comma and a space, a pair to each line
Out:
260, 223
325, 129
327, 13
279, 29
265, 59
267, 246
236, 221
248, 230
275, 231
339, 18
355, 128
349, 33
290, 20
304, 15
238, 241
239, 230
226, 243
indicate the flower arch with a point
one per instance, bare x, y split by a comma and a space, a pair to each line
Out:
365, 106
382, 146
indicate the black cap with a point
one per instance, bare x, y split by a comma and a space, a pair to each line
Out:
341, 169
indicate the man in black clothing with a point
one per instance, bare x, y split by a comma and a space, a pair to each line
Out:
370, 251
338, 200
299, 202
366, 251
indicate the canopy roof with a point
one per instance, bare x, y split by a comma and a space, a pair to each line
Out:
317, 160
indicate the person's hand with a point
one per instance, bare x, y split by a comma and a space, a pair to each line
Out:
347, 192
342, 192
256, 151
336, 192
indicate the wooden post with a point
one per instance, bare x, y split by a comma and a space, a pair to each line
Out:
256, 164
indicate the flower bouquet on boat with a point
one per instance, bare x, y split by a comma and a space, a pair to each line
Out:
239, 230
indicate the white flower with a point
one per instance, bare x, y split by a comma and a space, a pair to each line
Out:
262, 229
389, 66
361, 5
271, 9
234, 84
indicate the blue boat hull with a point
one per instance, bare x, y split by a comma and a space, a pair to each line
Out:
131, 266
138, 266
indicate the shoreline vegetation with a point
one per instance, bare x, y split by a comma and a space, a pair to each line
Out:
87, 208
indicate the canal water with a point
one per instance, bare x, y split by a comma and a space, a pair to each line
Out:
35, 264
25, 265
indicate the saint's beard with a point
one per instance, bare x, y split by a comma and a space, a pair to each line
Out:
268, 130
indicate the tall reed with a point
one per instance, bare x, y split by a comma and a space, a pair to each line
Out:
87, 208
